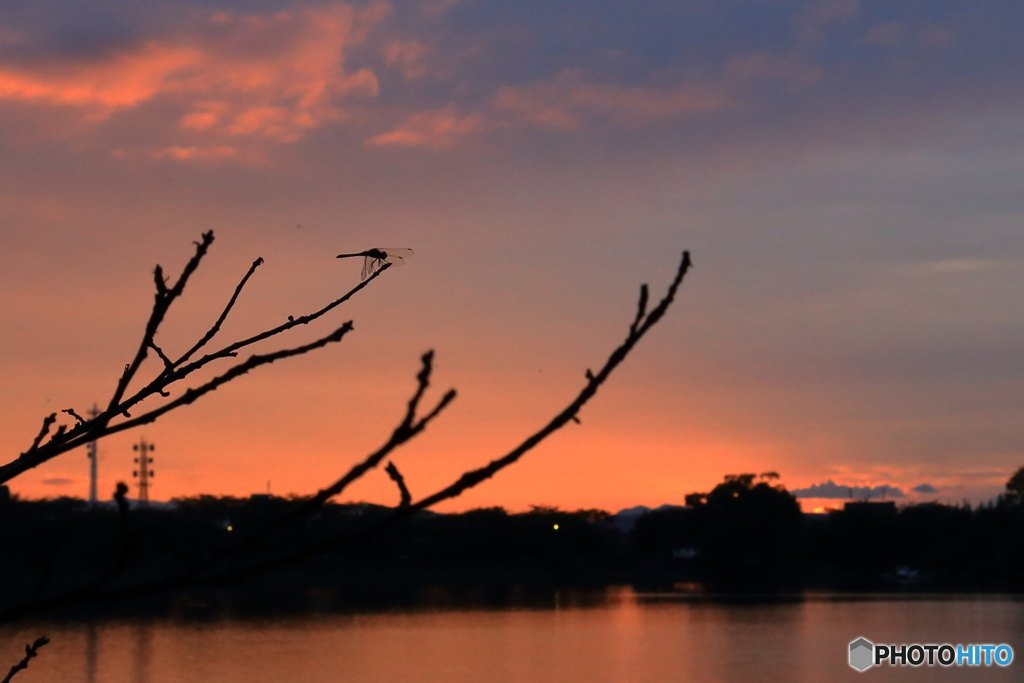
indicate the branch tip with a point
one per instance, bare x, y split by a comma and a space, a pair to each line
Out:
399, 480
31, 650
641, 308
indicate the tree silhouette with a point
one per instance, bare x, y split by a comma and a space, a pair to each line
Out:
748, 530
1015, 487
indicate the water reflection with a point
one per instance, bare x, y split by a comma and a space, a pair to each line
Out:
141, 651
91, 651
618, 635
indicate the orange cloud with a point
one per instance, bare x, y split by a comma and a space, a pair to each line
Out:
568, 102
272, 76
434, 128
124, 80
199, 153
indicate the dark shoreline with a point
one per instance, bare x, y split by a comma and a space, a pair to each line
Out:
489, 557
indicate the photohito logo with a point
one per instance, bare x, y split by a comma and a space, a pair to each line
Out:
864, 654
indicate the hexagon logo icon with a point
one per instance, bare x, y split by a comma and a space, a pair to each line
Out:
862, 654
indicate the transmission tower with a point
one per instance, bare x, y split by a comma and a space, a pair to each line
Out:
143, 473
92, 451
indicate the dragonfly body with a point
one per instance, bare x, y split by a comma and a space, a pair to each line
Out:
375, 259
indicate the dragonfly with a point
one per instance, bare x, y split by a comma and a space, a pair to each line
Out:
374, 259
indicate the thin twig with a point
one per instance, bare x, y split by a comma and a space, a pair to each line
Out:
31, 651
396, 476
233, 349
168, 363
470, 479
164, 298
223, 316
641, 308
43, 431
408, 428
191, 395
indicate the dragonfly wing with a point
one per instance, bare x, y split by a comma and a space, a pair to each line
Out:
396, 255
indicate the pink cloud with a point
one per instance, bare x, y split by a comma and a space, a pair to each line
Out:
197, 153
123, 80
273, 76
434, 128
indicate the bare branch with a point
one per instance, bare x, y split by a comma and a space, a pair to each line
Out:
181, 371
408, 428
191, 395
641, 308
164, 298
31, 651
78, 418
159, 281
399, 480
232, 349
99, 426
168, 363
43, 431
404, 432
223, 316
473, 478
118, 407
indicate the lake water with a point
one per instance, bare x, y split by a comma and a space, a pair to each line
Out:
619, 635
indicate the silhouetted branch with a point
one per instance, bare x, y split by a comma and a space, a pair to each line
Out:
641, 308
31, 651
168, 363
164, 298
118, 415
232, 349
223, 316
408, 428
396, 476
43, 431
594, 381
191, 395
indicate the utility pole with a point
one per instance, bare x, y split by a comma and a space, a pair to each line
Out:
92, 451
143, 473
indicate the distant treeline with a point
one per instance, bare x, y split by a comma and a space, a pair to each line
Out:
747, 534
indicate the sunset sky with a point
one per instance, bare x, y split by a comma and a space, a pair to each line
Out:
847, 175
